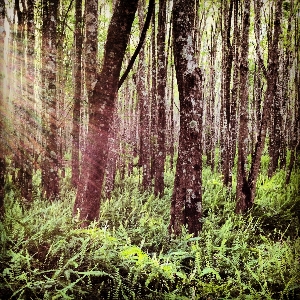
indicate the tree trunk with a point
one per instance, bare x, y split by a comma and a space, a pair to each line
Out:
111, 168
91, 45
29, 120
77, 92
153, 136
18, 94
186, 204
144, 128
242, 189
101, 113
172, 132
227, 58
234, 91
247, 189
3, 137
210, 136
50, 179
161, 99
294, 139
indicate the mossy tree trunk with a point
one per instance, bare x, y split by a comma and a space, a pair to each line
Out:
50, 178
161, 100
102, 104
186, 204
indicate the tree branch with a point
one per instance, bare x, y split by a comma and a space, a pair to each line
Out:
140, 44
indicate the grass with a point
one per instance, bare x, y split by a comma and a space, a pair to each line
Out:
128, 253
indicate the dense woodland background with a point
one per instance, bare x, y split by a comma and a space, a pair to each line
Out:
149, 149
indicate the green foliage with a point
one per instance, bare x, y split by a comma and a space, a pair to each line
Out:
128, 254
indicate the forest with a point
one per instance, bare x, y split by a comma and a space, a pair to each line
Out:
149, 149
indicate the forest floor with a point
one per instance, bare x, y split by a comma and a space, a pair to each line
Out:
128, 253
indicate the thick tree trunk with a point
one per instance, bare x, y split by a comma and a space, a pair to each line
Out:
102, 103
161, 99
111, 168
77, 92
186, 205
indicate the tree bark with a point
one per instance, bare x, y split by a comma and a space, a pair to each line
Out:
210, 131
227, 58
77, 92
29, 120
153, 136
18, 94
91, 45
294, 146
111, 168
50, 179
242, 189
186, 204
245, 197
102, 103
275, 107
3, 137
144, 121
161, 99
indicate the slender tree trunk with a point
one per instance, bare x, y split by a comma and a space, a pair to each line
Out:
144, 128
247, 189
242, 189
210, 136
286, 64
29, 120
186, 204
3, 116
18, 93
161, 99
101, 113
91, 45
234, 91
172, 133
258, 81
227, 58
90, 64
295, 141
153, 137
50, 179
77, 92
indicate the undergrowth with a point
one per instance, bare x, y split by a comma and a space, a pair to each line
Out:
128, 254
